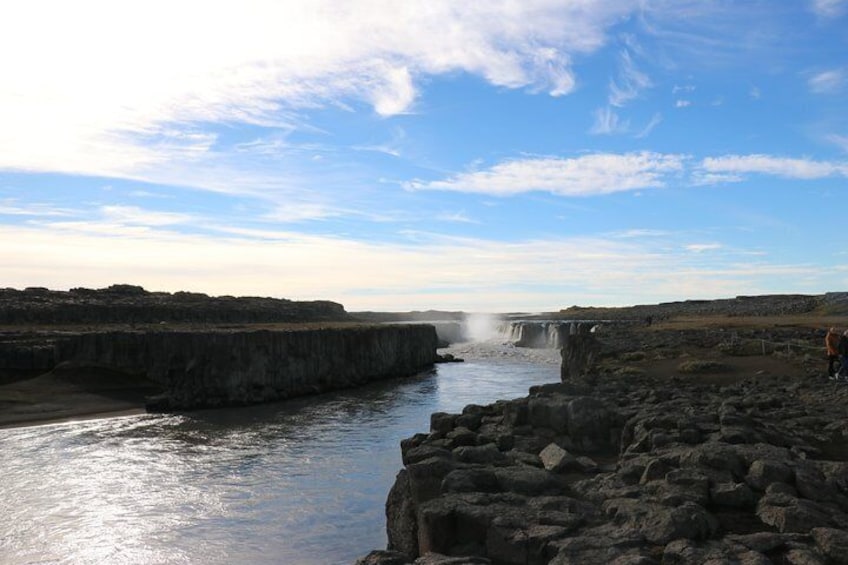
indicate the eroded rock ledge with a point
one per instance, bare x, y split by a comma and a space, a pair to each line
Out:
629, 470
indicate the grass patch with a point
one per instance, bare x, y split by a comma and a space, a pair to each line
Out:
701, 366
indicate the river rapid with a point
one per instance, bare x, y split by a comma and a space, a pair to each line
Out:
300, 482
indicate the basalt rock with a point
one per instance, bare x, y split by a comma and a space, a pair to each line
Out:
580, 350
632, 470
201, 369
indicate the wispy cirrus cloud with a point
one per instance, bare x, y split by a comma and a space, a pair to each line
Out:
830, 8
608, 122
839, 140
88, 95
630, 82
831, 81
702, 247
599, 173
11, 207
605, 173
737, 165
656, 120
133, 215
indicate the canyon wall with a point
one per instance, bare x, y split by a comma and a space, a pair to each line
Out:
230, 367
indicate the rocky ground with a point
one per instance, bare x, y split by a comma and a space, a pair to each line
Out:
705, 440
130, 304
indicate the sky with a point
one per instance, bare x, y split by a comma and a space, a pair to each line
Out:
492, 156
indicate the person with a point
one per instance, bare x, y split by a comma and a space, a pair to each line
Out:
831, 342
842, 348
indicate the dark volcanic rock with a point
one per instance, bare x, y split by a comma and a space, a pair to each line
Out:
129, 304
206, 369
634, 470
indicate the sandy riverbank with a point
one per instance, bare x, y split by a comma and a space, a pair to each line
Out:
70, 393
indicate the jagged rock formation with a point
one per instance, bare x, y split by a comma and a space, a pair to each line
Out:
129, 304
630, 469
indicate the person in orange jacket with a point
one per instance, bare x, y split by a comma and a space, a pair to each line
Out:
831, 342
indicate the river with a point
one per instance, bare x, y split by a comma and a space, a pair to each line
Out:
301, 482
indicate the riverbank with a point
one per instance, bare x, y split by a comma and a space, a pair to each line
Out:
73, 392
688, 441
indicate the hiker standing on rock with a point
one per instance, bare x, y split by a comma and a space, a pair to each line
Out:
842, 348
831, 342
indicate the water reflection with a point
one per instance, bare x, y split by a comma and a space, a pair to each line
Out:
301, 482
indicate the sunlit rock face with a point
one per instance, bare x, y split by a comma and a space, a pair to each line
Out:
219, 367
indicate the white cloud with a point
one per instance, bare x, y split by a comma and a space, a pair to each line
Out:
600, 173
11, 207
701, 178
631, 82
300, 211
395, 94
770, 165
117, 89
459, 217
830, 8
607, 122
133, 215
656, 119
701, 247
828, 82
839, 140
682, 103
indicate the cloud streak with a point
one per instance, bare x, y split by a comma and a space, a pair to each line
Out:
588, 175
828, 82
606, 173
793, 168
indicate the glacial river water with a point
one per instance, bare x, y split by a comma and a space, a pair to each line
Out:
302, 482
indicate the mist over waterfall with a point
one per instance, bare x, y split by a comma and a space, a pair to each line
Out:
482, 327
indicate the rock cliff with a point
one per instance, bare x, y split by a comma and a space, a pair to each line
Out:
228, 367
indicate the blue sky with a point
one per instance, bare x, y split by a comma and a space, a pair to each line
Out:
486, 156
